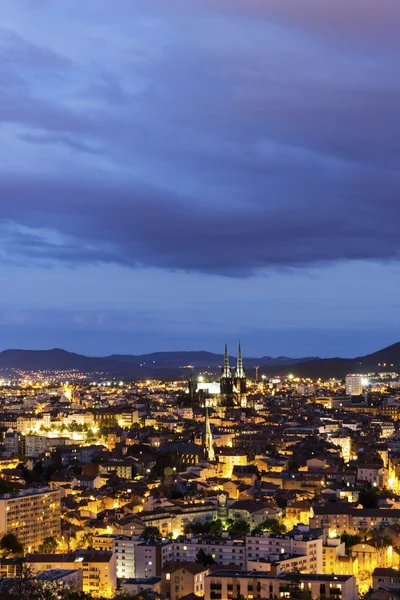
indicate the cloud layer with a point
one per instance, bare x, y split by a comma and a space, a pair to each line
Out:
223, 137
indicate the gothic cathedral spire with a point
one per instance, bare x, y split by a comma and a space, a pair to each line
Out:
208, 441
239, 368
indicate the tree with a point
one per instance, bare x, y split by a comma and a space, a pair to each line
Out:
151, 533
6, 486
271, 526
87, 540
295, 588
144, 595
48, 546
212, 528
369, 498
10, 544
77, 596
349, 540
216, 527
36, 589
204, 559
239, 527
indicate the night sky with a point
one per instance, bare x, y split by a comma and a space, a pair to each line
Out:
178, 172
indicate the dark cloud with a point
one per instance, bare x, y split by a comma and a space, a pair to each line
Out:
143, 226
199, 140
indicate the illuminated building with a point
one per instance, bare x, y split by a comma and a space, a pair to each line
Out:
99, 569
183, 579
31, 515
354, 385
222, 585
124, 550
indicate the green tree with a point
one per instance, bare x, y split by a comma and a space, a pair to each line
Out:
216, 527
6, 486
369, 498
295, 588
271, 526
10, 544
199, 528
87, 540
350, 540
239, 527
151, 533
78, 596
35, 589
49, 545
204, 559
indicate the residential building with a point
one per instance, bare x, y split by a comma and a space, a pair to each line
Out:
99, 569
31, 515
226, 585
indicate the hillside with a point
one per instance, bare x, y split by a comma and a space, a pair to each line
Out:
199, 359
169, 365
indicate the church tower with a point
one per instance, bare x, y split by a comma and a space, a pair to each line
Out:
208, 446
240, 379
240, 376
226, 381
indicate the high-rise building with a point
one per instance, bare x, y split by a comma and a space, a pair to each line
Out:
31, 515
354, 385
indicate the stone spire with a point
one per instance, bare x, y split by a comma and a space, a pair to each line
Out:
208, 442
226, 371
239, 368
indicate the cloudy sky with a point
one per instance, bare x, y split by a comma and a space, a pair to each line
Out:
178, 172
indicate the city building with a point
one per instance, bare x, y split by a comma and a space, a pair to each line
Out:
354, 385
31, 515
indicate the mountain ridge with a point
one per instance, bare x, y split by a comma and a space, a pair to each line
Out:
179, 363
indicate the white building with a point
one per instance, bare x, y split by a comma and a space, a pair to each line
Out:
124, 550
35, 445
149, 557
299, 542
354, 385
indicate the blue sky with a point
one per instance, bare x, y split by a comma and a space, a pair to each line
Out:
176, 173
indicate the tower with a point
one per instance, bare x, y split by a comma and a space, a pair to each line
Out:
257, 367
240, 379
191, 396
226, 381
207, 439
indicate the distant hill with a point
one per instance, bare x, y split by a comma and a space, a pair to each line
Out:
58, 360
198, 359
387, 359
169, 365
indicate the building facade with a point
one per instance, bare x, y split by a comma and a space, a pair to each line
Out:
31, 515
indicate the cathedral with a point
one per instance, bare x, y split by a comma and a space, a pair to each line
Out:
233, 387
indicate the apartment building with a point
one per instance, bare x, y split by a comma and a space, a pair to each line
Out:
301, 541
226, 585
340, 518
149, 558
99, 569
175, 518
35, 445
31, 515
182, 579
124, 550
224, 550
